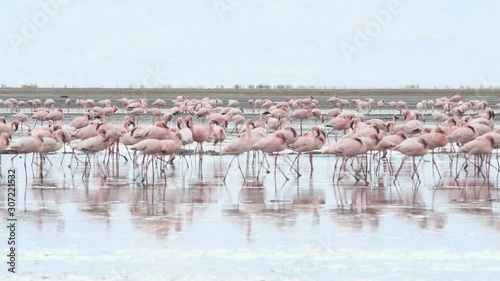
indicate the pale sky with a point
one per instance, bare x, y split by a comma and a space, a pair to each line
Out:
342, 43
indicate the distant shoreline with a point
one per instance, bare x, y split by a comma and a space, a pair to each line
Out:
292, 92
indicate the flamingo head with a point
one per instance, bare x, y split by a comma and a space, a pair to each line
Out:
281, 136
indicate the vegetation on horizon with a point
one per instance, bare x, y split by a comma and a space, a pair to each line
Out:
34, 86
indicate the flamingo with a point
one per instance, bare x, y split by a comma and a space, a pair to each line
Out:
97, 143
217, 134
40, 115
308, 143
81, 121
201, 134
412, 147
346, 148
186, 134
160, 103
479, 146
32, 144
339, 123
22, 118
10, 129
170, 147
49, 103
55, 115
271, 144
159, 132
238, 146
4, 142
147, 147
391, 141
302, 114
68, 104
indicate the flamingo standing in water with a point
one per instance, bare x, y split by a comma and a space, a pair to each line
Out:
149, 148
412, 147
81, 121
95, 144
340, 123
201, 134
309, 142
170, 147
302, 114
238, 146
39, 115
55, 115
32, 144
68, 104
478, 147
22, 118
346, 148
272, 144
10, 129
434, 140
159, 132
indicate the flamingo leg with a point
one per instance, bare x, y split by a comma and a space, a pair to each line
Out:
239, 167
434, 164
228, 168
400, 167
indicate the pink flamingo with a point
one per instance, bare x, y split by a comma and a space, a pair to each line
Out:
238, 146
340, 123
271, 144
302, 114
54, 143
463, 135
412, 126
49, 103
28, 145
185, 131
86, 132
147, 147
201, 134
156, 113
479, 146
4, 142
40, 115
251, 103
68, 104
159, 132
160, 103
434, 140
22, 118
95, 144
10, 129
55, 115
346, 148
136, 112
110, 110
308, 143
170, 147
290, 135
391, 141
81, 121
412, 147
217, 133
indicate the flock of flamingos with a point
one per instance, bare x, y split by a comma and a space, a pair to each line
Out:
459, 129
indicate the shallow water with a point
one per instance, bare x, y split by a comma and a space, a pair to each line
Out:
113, 222
190, 225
